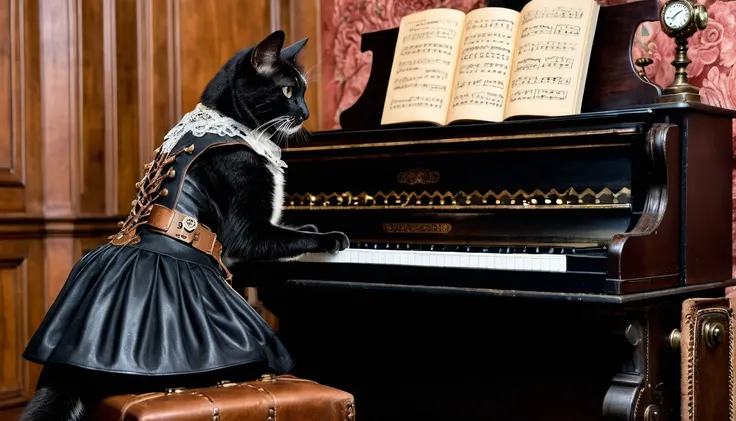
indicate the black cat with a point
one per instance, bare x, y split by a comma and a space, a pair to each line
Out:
258, 90
156, 313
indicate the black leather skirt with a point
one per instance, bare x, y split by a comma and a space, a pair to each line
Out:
159, 307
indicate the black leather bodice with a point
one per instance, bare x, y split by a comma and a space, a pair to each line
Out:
183, 193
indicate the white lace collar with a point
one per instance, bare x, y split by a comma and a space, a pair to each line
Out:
202, 120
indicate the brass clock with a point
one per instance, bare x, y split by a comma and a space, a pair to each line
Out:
680, 19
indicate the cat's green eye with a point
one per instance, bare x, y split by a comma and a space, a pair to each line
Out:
287, 91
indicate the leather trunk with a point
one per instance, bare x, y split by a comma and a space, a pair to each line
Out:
283, 398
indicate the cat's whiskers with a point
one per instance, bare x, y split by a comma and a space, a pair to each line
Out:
285, 130
260, 130
302, 136
278, 134
276, 138
308, 74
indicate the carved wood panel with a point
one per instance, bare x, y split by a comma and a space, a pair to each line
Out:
18, 107
22, 301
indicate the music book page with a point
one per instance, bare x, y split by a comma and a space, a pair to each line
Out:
424, 64
550, 65
491, 64
484, 65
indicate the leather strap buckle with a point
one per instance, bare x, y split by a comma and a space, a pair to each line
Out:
187, 229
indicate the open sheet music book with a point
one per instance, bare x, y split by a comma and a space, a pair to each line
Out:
491, 63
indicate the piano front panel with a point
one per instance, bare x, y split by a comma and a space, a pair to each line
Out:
576, 189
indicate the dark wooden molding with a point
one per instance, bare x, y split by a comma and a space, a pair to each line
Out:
35, 227
645, 250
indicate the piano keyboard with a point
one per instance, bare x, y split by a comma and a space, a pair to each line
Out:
549, 259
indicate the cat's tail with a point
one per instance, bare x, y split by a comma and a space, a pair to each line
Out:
51, 403
57, 397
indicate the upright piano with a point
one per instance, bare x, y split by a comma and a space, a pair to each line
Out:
567, 268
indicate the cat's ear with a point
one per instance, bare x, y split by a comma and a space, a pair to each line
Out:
265, 55
292, 52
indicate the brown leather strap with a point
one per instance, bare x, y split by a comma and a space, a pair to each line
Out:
188, 230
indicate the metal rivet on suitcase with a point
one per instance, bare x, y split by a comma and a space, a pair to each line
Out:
267, 378
175, 389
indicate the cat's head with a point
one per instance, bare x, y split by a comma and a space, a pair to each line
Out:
262, 87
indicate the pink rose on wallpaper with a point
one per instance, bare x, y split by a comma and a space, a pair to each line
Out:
348, 41
397, 9
704, 48
719, 88
724, 13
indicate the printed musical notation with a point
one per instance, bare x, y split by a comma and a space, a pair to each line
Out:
484, 65
429, 74
539, 94
416, 102
555, 13
528, 64
433, 87
481, 83
558, 62
442, 33
486, 56
489, 24
566, 29
493, 37
537, 80
417, 64
547, 46
490, 99
559, 29
552, 62
424, 65
427, 48
486, 48
417, 25
499, 68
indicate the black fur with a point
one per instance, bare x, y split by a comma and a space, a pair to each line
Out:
263, 88
249, 89
244, 202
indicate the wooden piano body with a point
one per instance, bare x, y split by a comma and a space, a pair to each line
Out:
530, 269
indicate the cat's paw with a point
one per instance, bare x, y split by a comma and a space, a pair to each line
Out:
335, 241
308, 228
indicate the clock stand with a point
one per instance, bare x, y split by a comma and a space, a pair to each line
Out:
680, 19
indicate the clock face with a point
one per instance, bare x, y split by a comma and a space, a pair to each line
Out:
676, 15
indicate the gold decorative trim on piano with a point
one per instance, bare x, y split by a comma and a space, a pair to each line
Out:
537, 199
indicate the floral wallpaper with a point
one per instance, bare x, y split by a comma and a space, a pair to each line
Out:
345, 70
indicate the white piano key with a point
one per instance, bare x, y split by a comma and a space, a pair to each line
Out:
497, 261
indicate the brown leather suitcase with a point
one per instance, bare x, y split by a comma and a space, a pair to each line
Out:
270, 398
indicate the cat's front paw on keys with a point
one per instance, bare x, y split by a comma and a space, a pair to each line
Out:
335, 241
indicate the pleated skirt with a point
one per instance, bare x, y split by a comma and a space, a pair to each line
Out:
159, 307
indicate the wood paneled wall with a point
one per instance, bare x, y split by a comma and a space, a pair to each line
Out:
88, 88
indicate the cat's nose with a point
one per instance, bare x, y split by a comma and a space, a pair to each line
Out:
305, 114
